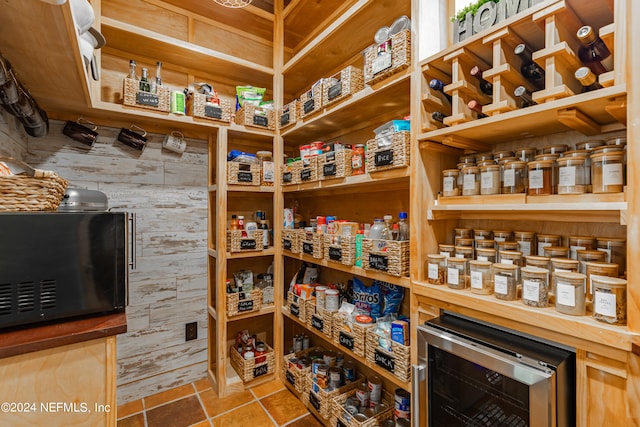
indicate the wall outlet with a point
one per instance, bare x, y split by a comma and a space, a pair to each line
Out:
191, 331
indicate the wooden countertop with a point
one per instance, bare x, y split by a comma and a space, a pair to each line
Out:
37, 338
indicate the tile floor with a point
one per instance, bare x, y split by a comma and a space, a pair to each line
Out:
197, 405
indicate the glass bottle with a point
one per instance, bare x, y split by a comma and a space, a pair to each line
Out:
593, 52
144, 81
158, 80
587, 79
474, 105
234, 222
529, 69
132, 70
265, 233
485, 86
438, 85
525, 96
404, 227
388, 227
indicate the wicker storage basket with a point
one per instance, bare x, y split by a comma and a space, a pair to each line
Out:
341, 85
289, 115
297, 306
341, 249
134, 97
341, 413
308, 170
258, 117
243, 173
42, 192
389, 256
321, 400
311, 101
320, 320
335, 164
313, 247
267, 296
382, 60
292, 240
210, 112
383, 157
351, 336
291, 173
292, 373
244, 302
249, 370
237, 243
397, 361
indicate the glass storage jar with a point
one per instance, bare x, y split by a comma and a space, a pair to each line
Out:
468, 159
599, 269
462, 232
609, 299
480, 277
457, 273
586, 154
535, 286
608, 149
502, 236
514, 177
579, 243
616, 249
482, 234
589, 255
483, 163
506, 246
540, 177
537, 261
486, 244
572, 175
497, 155
555, 149
547, 156
511, 257
465, 252
486, 254
490, 179
470, 181
436, 269
607, 172
526, 242
525, 154
589, 144
483, 157
556, 251
447, 250
570, 293
505, 281
267, 174
563, 265
464, 241
547, 240
450, 183
620, 140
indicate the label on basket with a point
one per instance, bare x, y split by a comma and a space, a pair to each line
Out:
335, 91
317, 323
335, 254
305, 174
260, 120
287, 177
313, 399
382, 62
246, 305
286, 244
378, 262
330, 157
284, 118
248, 244
385, 361
260, 370
307, 248
309, 106
384, 158
213, 112
346, 340
145, 98
329, 169
290, 378
245, 176
295, 310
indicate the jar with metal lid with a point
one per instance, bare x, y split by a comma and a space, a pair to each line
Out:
502, 236
599, 269
436, 269
450, 183
457, 273
572, 175
540, 177
555, 149
447, 250
505, 281
485, 244
481, 157
486, 254
607, 172
556, 251
563, 265
537, 261
260, 352
247, 352
482, 234
470, 181
609, 299
466, 252
481, 280
497, 155
357, 160
267, 175
616, 250
589, 255
511, 257
490, 179
525, 154
570, 293
535, 286
547, 240
577, 243
514, 177
589, 144
526, 242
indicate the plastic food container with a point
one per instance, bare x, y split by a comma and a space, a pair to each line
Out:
609, 299
481, 280
505, 281
535, 286
570, 293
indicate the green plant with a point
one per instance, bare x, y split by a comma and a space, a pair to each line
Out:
472, 8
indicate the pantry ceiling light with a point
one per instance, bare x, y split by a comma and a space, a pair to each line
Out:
234, 3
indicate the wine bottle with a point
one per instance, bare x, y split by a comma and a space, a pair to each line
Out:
438, 85
529, 69
158, 81
477, 107
593, 52
144, 81
132, 70
438, 116
587, 79
485, 86
525, 96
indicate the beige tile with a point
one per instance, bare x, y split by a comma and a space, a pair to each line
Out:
130, 408
267, 388
202, 385
215, 405
308, 421
168, 396
133, 421
283, 406
249, 415
180, 413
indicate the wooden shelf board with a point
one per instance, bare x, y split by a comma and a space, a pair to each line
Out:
251, 254
581, 327
357, 271
250, 188
266, 310
377, 181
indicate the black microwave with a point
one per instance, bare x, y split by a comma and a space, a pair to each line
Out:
56, 265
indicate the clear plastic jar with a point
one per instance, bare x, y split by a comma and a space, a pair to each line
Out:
470, 181
502, 236
572, 175
485, 244
579, 243
525, 154
607, 172
486, 254
450, 183
480, 277
436, 269
555, 149
526, 242
547, 240
556, 251
609, 299
535, 286
589, 255
540, 177
537, 261
465, 252
511, 257
599, 269
514, 177
563, 265
589, 144
616, 249
570, 293
457, 273
447, 250
505, 281
490, 179
482, 235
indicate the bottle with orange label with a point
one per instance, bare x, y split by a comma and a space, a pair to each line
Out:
357, 160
